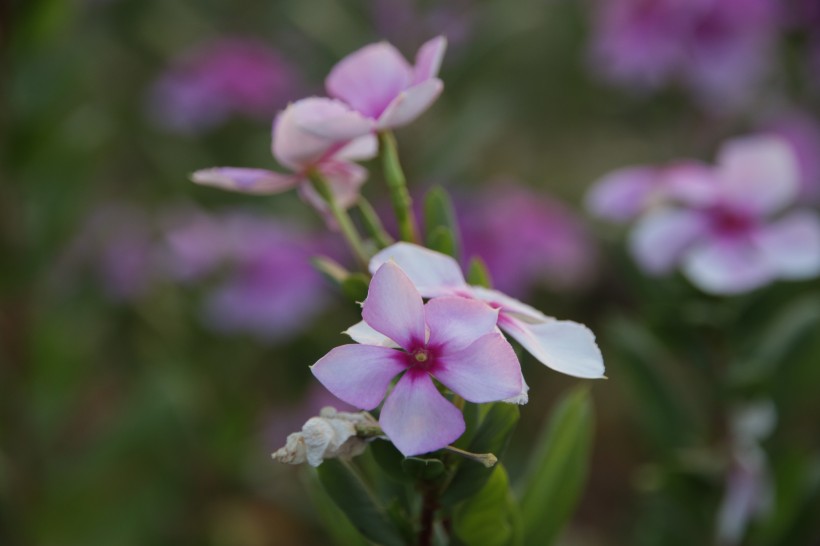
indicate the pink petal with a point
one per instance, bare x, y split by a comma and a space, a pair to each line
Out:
359, 149
364, 334
428, 59
359, 374
370, 78
725, 266
659, 239
417, 418
394, 307
433, 273
410, 104
622, 194
759, 173
792, 245
256, 181
455, 322
508, 305
299, 142
485, 371
690, 182
563, 345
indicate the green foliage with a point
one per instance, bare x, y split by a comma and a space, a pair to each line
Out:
478, 274
490, 517
352, 495
492, 436
440, 225
557, 472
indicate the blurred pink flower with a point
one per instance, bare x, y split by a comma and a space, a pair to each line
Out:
802, 132
267, 286
301, 150
563, 345
719, 49
379, 83
219, 79
452, 339
551, 245
724, 233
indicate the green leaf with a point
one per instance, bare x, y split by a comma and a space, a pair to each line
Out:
492, 437
423, 469
478, 274
359, 504
389, 459
337, 525
557, 470
355, 286
488, 518
440, 222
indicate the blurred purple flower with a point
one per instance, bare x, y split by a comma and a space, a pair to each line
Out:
267, 286
551, 247
214, 81
722, 226
719, 49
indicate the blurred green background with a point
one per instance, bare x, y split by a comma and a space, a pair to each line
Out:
134, 412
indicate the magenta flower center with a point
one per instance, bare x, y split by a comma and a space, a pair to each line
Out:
730, 223
421, 358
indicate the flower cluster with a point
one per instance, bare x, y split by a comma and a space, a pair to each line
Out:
419, 361
724, 226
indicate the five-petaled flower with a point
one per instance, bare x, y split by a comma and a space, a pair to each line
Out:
563, 345
301, 150
451, 339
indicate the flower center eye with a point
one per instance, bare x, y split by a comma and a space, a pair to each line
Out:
421, 355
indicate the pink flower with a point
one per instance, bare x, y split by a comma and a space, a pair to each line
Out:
452, 339
380, 84
301, 150
722, 233
564, 346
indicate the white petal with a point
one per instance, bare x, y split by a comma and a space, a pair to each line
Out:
433, 273
362, 333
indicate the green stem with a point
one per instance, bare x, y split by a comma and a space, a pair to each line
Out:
342, 218
397, 184
374, 224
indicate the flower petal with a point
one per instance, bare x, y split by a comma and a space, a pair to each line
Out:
455, 322
792, 245
370, 78
759, 173
417, 418
563, 345
359, 374
359, 149
485, 371
309, 129
508, 305
394, 307
433, 273
726, 266
622, 194
256, 181
364, 334
428, 59
659, 239
410, 104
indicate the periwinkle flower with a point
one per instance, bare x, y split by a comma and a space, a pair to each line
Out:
219, 79
564, 346
724, 234
552, 247
719, 49
303, 151
379, 83
453, 340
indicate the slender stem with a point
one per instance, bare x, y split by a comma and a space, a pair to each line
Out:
487, 459
428, 513
374, 224
342, 218
397, 184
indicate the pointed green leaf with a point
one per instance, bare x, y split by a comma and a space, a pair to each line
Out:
440, 222
478, 274
354, 498
355, 286
488, 517
492, 437
557, 470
